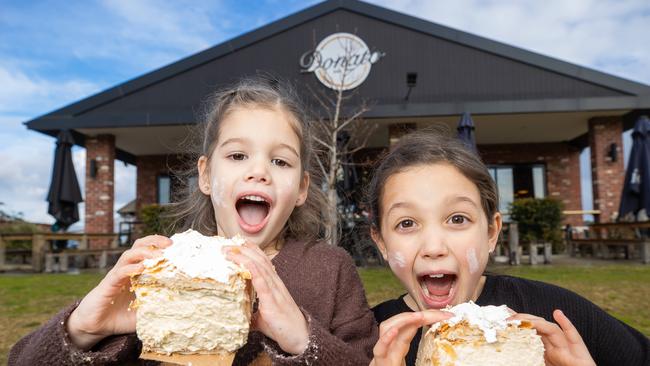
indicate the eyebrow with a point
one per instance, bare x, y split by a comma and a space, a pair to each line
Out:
456, 199
459, 199
234, 140
397, 205
244, 141
290, 148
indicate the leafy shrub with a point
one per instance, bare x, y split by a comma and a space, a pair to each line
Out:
155, 220
539, 220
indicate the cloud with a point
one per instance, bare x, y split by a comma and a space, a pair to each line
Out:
125, 185
144, 35
24, 174
23, 94
180, 26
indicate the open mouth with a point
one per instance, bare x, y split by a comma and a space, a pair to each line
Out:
437, 289
253, 210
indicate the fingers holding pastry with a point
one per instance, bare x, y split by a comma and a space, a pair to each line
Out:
387, 352
153, 242
262, 272
551, 333
563, 343
397, 332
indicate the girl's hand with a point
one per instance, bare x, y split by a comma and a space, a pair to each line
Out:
397, 332
563, 344
278, 316
105, 309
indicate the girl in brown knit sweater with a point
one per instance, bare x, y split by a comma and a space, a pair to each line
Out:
253, 180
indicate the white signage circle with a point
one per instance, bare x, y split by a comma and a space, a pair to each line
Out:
341, 61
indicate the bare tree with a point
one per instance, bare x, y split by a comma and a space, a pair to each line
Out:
341, 116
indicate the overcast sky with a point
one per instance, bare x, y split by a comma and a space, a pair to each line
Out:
53, 53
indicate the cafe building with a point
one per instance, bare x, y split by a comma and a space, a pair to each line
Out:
533, 114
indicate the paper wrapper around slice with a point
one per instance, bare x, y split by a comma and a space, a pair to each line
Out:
191, 321
190, 360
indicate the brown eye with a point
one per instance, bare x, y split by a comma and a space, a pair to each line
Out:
457, 220
279, 162
405, 224
237, 156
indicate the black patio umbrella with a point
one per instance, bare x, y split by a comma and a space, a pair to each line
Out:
64, 194
466, 131
636, 189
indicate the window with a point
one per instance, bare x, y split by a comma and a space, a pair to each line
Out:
171, 189
518, 181
164, 189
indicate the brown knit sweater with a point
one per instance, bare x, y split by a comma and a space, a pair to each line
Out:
322, 280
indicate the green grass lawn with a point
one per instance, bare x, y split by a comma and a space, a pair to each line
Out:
26, 301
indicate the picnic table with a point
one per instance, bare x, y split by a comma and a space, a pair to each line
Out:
611, 240
43, 257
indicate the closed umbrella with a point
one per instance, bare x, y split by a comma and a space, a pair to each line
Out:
64, 194
636, 189
466, 131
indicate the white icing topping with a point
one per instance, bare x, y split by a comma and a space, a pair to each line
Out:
200, 256
487, 318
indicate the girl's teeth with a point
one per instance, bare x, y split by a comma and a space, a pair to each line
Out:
440, 275
254, 198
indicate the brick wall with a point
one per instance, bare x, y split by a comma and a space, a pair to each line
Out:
149, 167
99, 189
562, 162
607, 176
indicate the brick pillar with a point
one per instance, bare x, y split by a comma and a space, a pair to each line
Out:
606, 175
563, 181
100, 192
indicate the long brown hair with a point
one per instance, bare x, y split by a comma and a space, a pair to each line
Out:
430, 146
195, 210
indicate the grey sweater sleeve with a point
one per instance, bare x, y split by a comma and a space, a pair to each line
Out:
50, 345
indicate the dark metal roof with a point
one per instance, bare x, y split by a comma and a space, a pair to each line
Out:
171, 94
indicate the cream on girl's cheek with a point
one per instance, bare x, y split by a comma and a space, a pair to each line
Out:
396, 259
217, 192
472, 261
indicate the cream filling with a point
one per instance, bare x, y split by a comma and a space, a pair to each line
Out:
188, 320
